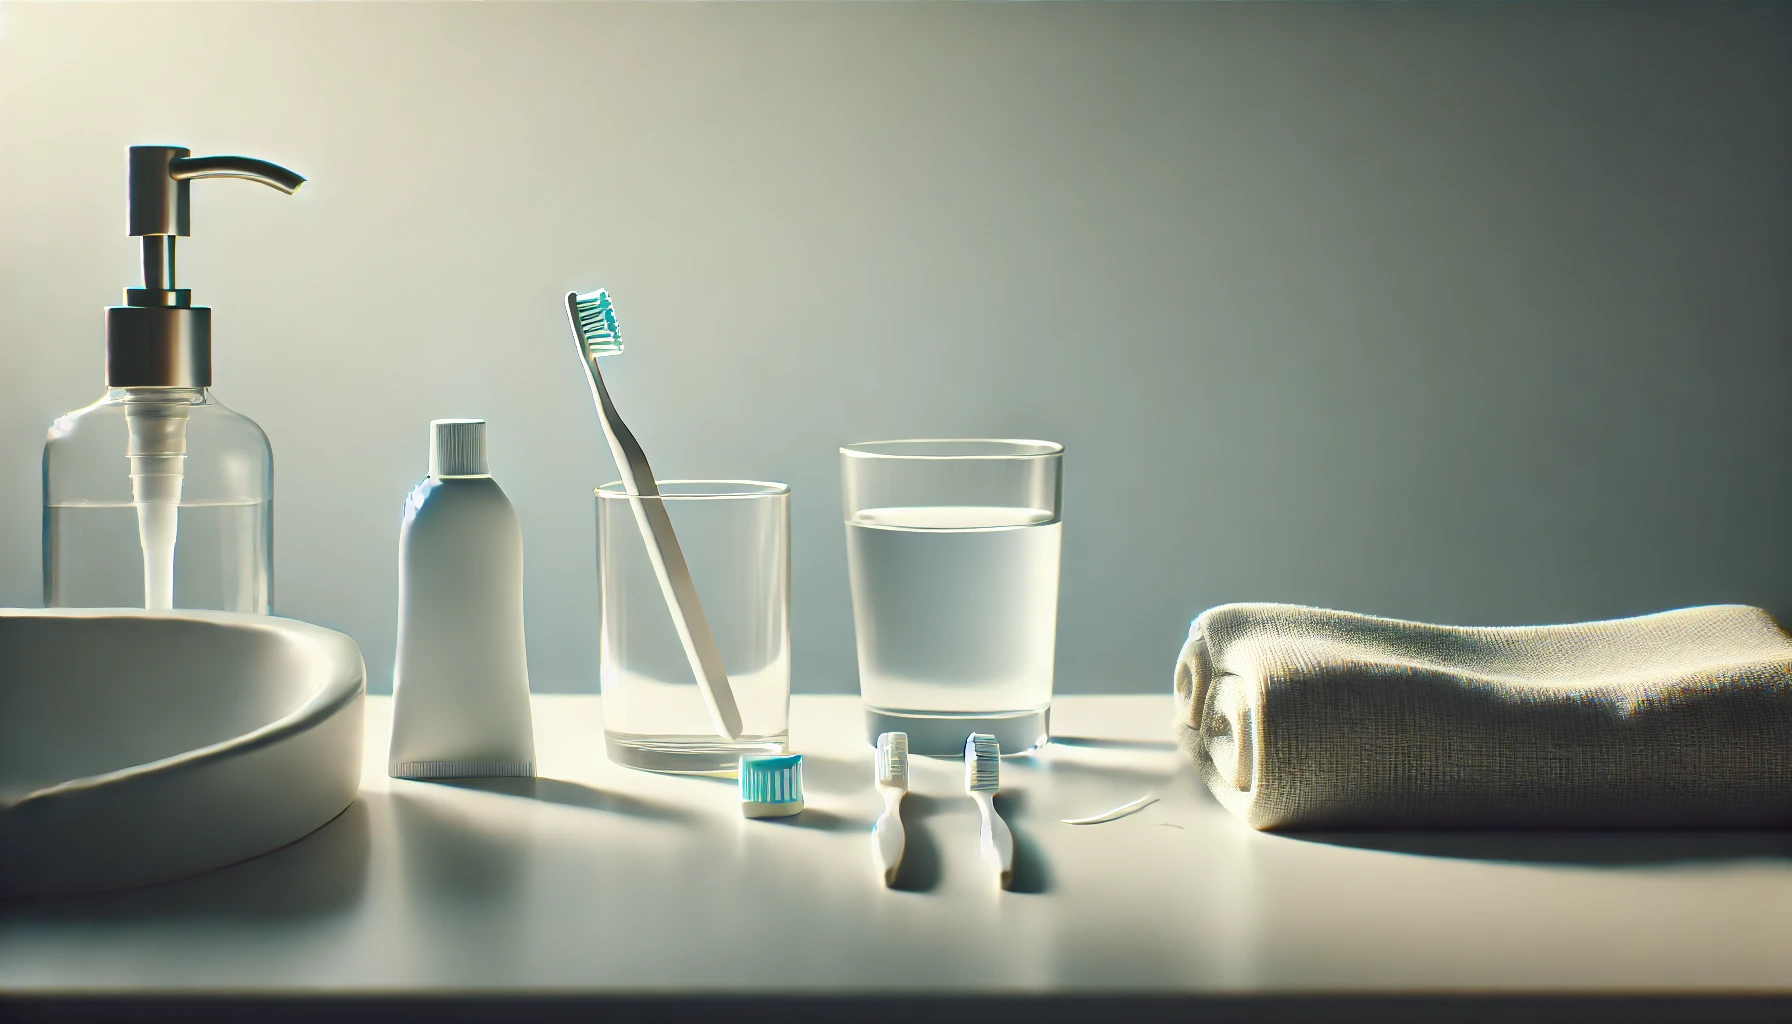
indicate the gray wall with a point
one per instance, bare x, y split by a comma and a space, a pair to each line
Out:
1468, 313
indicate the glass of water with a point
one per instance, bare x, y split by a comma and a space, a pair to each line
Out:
952, 549
735, 535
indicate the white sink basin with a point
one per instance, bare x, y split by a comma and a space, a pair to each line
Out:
138, 746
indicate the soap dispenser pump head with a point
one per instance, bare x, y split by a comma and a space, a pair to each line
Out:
158, 338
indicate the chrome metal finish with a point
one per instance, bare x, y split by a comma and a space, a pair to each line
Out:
158, 203
158, 296
158, 347
161, 198
186, 168
158, 264
158, 338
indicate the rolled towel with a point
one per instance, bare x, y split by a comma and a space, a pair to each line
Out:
1306, 718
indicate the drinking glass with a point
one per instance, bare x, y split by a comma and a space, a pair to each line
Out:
735, 535
952, 549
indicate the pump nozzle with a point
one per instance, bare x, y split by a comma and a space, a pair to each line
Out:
158, 338
161, 200
186, 168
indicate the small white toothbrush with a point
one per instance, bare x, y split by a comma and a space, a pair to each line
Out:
892, 782
593, 322
982, 777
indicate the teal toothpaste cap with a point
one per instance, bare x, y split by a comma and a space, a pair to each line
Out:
771, 785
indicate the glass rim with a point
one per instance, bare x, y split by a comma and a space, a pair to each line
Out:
722, 490
1044, 449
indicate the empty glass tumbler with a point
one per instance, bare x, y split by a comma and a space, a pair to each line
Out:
735, 535
952, 548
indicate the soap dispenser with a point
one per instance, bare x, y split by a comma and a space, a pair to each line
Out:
157, 495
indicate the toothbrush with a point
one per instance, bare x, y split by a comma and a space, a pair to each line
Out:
982, 777
593, 322
892, 782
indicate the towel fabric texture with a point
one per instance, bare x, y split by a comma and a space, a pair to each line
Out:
1305, 718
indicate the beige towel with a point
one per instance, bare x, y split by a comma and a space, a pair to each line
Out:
1305, 718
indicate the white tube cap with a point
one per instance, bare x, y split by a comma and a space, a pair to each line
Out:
457, 448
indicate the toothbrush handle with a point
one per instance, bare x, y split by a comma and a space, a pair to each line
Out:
996, 841
687, 615
887, 835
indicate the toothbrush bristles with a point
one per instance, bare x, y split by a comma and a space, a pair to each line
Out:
597, 323
982, 763
892, 759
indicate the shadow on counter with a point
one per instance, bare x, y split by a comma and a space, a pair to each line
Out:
320, 875
1032, 874
574, 794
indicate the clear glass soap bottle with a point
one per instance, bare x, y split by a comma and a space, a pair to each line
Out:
158, 496
189, 523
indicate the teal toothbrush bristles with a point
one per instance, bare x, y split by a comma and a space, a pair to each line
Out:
597, 323
771, 779
982, 763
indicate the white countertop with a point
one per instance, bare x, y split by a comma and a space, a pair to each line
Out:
606, 880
